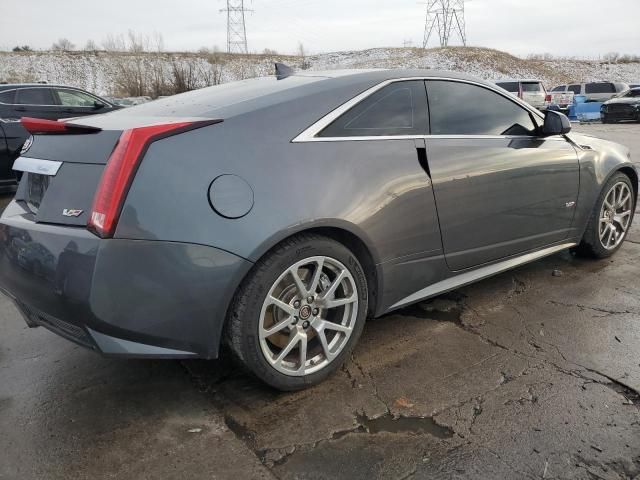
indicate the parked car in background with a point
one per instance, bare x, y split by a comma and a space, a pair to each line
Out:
531, 91
51, 102
634, 85
594, 91
624, 106
182, 224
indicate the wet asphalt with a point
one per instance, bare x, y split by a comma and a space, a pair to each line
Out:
534, 373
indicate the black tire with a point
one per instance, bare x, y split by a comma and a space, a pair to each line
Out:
590, 246
605, 119
243, 319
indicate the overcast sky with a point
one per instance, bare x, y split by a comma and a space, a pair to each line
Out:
586, 28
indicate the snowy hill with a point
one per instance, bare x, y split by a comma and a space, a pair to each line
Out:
111, 73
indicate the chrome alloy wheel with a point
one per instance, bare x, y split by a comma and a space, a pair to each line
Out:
615, 215
308, 316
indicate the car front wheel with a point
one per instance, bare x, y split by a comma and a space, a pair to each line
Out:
299, 313
611, 219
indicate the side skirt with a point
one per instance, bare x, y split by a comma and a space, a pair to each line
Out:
472, 276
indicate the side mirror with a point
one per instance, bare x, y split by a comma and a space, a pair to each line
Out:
555, 123
98, 105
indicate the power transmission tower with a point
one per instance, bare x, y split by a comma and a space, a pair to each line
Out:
443, 16
236, 27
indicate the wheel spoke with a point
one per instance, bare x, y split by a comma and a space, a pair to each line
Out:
332, 289
293, 341
277, 327
302, 289
624, 201
303, 353
610, 238
282, 306
340, 301
325, 345
316, 277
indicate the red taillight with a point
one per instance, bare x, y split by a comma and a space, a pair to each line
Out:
547, 98
40, 126
121, 168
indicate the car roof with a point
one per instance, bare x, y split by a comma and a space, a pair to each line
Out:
8, 86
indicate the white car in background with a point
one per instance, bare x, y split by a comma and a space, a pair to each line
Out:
594, 91
531, 91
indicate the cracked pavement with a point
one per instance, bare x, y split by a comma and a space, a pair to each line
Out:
530, 374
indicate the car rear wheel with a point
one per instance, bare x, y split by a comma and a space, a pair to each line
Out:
296, 317
611, 219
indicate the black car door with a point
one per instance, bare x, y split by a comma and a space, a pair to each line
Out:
501, 189
75, 103
35, 102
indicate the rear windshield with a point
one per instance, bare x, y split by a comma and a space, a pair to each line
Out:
531, 87
510, 86
600, 88
205, 101
575, 89
561, 88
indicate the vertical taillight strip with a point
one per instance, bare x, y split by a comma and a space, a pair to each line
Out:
121, 169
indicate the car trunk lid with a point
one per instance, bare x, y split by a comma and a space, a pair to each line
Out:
65, 169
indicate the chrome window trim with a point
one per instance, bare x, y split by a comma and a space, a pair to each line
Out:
37, 165
472, 276
310, 134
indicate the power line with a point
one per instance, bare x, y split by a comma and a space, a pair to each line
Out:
236, 26
443, 16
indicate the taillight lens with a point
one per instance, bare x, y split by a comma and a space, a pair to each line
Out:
547, 98
121, 168
40, 126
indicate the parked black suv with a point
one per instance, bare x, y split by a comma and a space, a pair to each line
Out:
41, 101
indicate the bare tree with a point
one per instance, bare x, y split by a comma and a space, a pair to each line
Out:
63, 45
114, 43
304, 63
90, 46
268, 51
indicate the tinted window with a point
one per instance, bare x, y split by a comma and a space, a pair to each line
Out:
532, 87
397, 109
463, 109
72, 98
634, 93
7, 96
513, 87
575, 89
561, 88
34, 96
600, 88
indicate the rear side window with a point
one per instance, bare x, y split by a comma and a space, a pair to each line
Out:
600, 88
464, 109
513, 87
7, 96
561, 88
397, 109
34, 96
575, 89
534, 87
72, 98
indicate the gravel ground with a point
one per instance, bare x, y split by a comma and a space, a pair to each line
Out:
525, 375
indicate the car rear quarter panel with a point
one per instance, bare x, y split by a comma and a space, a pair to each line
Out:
375, 190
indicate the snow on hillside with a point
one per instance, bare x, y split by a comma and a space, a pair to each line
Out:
102, 72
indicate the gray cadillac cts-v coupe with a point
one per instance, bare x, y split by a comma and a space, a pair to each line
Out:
274, 215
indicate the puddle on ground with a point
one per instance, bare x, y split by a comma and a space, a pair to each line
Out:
415, 425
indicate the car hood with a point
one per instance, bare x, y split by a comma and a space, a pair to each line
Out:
626, 101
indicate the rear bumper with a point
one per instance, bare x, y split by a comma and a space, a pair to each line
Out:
119, 297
